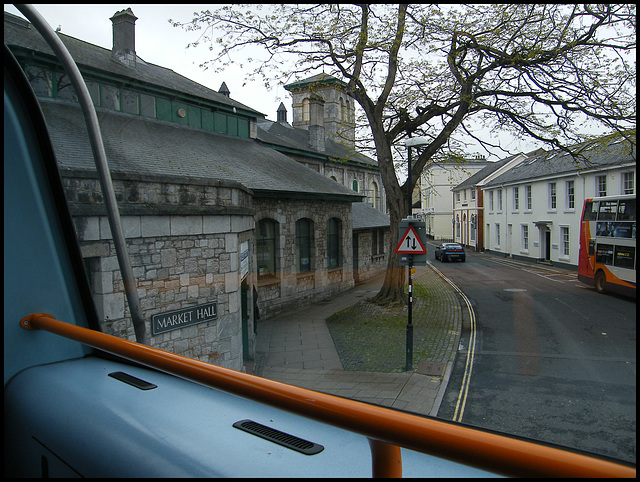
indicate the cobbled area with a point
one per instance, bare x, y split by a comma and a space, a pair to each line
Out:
371, 338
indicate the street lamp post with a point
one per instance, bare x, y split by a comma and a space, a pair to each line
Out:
409, 143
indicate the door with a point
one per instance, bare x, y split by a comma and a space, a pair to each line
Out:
547, 245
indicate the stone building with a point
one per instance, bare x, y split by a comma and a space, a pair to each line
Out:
315, 141
216, 220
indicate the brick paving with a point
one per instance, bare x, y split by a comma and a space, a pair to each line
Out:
349, 347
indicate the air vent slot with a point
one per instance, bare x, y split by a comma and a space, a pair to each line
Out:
133, 381
286, 440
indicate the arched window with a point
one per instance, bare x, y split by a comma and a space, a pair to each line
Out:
376, 194
305, 110
354, 185
342, 115
266, 247
334, 243
304, 245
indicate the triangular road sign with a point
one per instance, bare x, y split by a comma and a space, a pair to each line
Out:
410, 243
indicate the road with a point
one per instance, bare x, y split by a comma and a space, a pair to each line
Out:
551, 359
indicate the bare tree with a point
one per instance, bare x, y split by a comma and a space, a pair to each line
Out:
538, 71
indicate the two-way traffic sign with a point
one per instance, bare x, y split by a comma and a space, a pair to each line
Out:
410, 243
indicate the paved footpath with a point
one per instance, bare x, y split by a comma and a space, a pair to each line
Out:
296, 348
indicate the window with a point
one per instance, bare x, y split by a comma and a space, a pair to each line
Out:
40, 80
266, 248
354, 185
305, 110
516, 198
304, 238
376, 193
570, 196
473, 194
110, 97
148, 106
94, 91
607, 210
552, 196
527, 196
625, 257
497, 234
64, 89
564, 240
130, 102
604, 253
473, 226
457, 196
628, 184
525, 237
377, 242
334, 248
499, 199
601, 185
627, 210
490, 200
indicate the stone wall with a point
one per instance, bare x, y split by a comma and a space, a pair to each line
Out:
181, 257
370, 264
290, 289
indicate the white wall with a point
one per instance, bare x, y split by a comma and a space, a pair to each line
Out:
542, 218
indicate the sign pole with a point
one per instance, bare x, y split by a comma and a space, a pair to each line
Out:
409, 362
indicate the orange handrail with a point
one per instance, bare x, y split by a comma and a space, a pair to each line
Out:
384, 427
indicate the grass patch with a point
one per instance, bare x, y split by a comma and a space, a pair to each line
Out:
372, 338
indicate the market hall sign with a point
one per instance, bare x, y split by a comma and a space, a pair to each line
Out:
173, 320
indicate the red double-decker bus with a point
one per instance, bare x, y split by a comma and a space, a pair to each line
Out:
607, 258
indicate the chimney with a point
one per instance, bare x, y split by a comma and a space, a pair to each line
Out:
316, 123
124, 37
224, 90
282, 114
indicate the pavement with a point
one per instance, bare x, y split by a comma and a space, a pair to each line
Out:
297, 348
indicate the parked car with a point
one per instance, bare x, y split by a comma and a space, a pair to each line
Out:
450, 251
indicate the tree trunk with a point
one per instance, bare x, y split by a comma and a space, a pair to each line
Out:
392, 290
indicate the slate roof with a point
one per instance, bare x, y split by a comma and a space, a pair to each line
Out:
606, 152
368, 217
483, 173
144, 146
280, 134
19, 32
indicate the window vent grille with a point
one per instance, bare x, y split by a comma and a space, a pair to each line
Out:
286, 440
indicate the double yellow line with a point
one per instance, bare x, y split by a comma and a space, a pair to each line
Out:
464, 389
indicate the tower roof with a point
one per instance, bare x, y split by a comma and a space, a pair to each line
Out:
318, 79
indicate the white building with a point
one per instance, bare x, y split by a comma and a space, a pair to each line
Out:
436, 183
468, 202
533, 210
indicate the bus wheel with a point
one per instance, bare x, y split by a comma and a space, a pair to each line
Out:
600, 281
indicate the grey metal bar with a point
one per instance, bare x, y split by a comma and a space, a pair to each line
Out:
100, 157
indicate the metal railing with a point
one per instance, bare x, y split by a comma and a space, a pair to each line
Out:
386, 429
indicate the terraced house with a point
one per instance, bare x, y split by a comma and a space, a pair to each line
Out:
219, 214
533, 210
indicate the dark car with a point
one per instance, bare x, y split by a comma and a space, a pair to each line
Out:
450, 251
